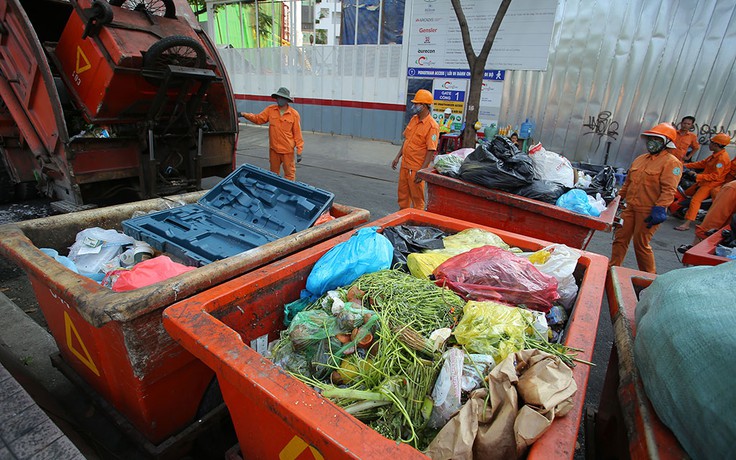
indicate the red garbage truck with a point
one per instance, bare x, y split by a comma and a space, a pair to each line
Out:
107, 101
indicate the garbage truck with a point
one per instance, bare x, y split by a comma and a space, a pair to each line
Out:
107, 101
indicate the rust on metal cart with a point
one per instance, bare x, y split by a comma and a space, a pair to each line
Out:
115, 341
277, 416
467, 201
704, 253
647, 437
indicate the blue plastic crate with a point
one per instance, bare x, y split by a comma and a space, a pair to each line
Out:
249, 208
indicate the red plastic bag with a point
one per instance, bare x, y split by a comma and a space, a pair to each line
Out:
149, 272
492, 273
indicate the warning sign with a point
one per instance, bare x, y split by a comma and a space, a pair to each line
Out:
82, 62
76, 341
295, 447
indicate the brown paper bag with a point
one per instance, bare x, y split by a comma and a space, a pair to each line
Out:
492, 425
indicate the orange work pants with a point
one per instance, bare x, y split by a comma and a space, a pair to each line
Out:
634, 228
698, 194
724, 206
411, 194
275, 160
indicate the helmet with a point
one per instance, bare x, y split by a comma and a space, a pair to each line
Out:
423, 97
448, 111
664, 131
721, 139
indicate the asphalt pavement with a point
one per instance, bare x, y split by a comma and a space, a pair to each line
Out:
358, 172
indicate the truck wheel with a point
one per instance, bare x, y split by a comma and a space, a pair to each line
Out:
165, 8
176, 50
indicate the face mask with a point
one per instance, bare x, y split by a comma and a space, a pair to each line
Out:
655, 145
281, 102
416, 108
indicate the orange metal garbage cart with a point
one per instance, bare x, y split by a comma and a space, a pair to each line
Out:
626, 423
277, 416
704, 253
115, 341
475, 203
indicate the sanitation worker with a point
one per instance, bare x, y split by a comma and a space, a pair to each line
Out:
446, 121
418, 149
715, 169
720, 212
649, 188
284, 133
686, 144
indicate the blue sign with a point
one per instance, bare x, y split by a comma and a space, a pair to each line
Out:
419, 72
449, 95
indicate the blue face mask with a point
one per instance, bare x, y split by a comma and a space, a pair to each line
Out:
281, 102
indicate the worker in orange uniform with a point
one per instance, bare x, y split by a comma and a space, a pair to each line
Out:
715, 168
724, 206
730, 176
686, 144
284, 133
649, 188
418, 150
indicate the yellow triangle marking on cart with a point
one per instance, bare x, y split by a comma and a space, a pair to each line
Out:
81, 58
295, 447
86, 358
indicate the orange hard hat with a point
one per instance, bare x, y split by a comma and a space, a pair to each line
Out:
721, 139
423, 97
665, 131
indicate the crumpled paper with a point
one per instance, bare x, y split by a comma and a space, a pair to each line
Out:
528, 390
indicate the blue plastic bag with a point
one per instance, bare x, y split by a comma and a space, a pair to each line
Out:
576, 200
365, 252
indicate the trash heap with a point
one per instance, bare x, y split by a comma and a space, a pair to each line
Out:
418, 333
541, 175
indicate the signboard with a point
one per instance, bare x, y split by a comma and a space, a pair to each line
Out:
436, 46
449, 94
490, 102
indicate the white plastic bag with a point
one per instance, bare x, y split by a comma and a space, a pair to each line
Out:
551, 166
598, 203
95, 246
561, 264
447, 388
476, 369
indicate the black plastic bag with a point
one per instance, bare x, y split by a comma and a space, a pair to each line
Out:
729, 236
604, 180
543, 190
412, 238
512, 170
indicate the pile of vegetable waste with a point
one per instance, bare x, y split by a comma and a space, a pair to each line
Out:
378, 347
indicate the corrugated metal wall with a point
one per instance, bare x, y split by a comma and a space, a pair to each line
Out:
617, 67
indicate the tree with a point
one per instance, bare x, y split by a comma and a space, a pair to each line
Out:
477, 65
265, 21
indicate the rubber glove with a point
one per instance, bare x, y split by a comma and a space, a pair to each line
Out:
656, 217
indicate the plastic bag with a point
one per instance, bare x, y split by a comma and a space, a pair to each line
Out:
603, 180
597, 202
551, 166
543, 190
475, 370
492, 328
684, 336
421, 265
499, 166
448, 164
576, 200
95, 246
491, 273
473, 238
367, 251
63, 260
560, 263
447, 388
146, 273
412, 238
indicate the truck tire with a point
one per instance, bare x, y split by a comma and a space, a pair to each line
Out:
165, 8
174, 50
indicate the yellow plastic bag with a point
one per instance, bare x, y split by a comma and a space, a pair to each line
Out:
473, 238
421, 265
493, 329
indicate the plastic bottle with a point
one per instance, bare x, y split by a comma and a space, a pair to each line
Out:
526, 130
490, 131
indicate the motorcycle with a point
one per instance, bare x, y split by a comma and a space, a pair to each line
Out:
681, 203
